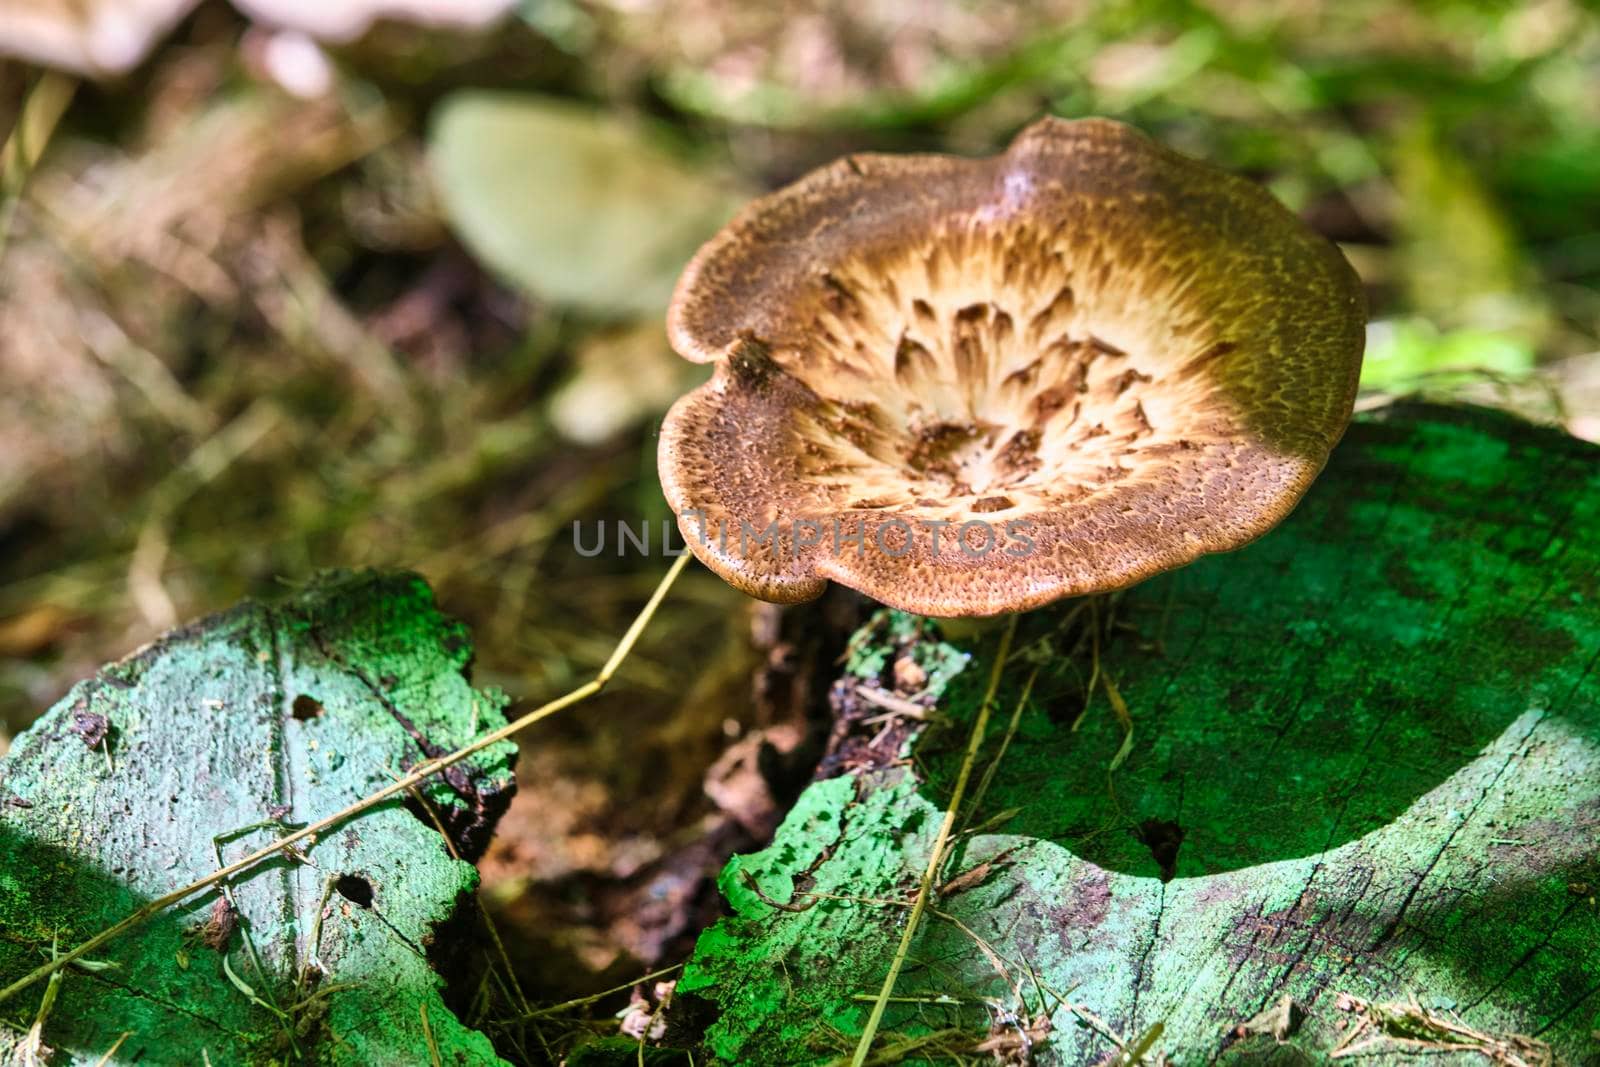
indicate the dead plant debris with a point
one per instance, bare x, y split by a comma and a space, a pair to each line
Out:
1408, 1026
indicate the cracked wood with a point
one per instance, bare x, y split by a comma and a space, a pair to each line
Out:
266, 712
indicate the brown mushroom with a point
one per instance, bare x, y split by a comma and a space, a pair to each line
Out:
969, 387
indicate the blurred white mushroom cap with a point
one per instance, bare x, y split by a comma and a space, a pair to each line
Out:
100, 38
88, 38
347, 20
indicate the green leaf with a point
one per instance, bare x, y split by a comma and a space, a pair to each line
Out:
1408, 352
252, 720
1366, 765
1460, 259
574, 204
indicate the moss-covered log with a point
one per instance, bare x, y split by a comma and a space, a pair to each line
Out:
1360, 810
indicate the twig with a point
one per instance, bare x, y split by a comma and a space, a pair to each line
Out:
421, 773
925, 888
649, 1024
751, 884
989, 953
1407, 1025
896, 704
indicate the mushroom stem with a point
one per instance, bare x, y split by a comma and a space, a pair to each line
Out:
940, 843
962, 627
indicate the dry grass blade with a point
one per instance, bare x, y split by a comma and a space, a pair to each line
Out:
34, 1052
1005, 743
942, 1045
1124, 719
896, 705
1405, 1026
40, 113
1134, 1053
579, 1002
112, 1051
936, 858
427, 1035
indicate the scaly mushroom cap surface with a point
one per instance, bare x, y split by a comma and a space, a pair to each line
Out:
968, 387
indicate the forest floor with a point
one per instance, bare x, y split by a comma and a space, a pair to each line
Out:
249, 335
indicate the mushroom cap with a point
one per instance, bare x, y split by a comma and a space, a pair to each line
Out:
969, 387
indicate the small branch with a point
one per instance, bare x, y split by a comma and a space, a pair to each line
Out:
895, 704
1005, 743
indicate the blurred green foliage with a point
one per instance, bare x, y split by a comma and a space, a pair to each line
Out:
579, 206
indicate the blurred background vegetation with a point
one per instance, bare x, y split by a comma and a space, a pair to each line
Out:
289, 285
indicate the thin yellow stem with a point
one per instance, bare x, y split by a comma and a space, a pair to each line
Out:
427, 1037
631, 637
1005, 743
418, 775
568, 1005
936, 859
46, 103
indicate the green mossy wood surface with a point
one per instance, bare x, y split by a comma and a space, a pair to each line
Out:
1376, 730
289, 711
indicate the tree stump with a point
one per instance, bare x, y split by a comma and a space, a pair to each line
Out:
1359, 813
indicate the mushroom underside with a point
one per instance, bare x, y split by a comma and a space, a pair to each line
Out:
968, 377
